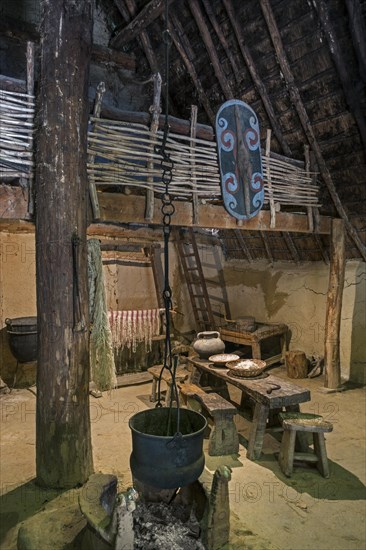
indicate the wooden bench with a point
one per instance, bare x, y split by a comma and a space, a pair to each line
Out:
295, 423
180, 375
224, 438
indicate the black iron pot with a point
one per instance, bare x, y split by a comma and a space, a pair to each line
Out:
161, 457
22, 333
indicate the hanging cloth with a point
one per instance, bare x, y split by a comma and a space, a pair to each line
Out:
103, 370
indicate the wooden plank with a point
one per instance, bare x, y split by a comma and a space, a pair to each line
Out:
147, 15
120, 208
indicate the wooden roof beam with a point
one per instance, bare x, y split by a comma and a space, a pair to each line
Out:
243, 245
358, 33
266, 247
210, 47
177, 125
353, 91
147, 15
130, 7
291, 246
322, 249
120, 208
207, 4
177, 34
117, 208
24, 32
305, 122
256, 79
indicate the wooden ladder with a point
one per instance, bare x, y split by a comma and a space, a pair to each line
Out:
193, 274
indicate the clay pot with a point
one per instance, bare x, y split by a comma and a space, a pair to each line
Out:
208, 343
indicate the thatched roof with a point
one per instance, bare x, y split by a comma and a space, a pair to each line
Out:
301, 65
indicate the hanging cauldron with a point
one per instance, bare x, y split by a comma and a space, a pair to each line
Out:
22, 333
161, 457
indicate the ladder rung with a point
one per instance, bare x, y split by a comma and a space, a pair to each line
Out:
188, 255
192, 269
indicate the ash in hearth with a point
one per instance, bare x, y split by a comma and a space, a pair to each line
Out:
160, 526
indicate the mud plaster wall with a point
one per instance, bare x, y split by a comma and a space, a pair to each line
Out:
127, 287
17, 297
296, 295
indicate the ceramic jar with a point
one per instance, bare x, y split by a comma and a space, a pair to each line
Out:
208, 343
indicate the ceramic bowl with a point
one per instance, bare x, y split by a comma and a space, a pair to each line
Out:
221, 359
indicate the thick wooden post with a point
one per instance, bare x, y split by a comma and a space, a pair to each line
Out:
63, 440
334, 306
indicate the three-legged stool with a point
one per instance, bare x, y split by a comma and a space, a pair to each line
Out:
295, 423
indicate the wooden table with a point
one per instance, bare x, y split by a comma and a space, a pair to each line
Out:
255, 338
265, 393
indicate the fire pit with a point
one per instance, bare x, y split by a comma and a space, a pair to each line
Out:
195, 518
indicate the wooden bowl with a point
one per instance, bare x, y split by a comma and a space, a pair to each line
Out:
247, 368
221, 359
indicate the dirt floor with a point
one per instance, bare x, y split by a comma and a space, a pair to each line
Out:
268, 510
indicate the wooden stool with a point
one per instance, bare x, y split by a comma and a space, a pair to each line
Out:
180, 375
224, 439
293, 423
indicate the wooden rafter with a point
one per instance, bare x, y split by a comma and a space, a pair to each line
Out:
321, 247
147, 15
143, 36
177, 125
177, 33
353, 92
291, 246
358, 33
210, 47
24, 32
256, 78
207, 4
243, 245
266, 246
305, 122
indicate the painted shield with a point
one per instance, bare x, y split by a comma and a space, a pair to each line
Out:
237, 132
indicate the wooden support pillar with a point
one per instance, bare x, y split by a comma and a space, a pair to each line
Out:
334, 306
195, 204
96, 114
63, 440
30, 92
155, 111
